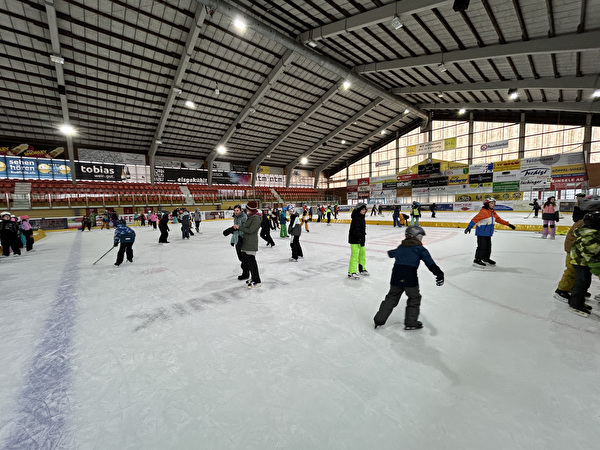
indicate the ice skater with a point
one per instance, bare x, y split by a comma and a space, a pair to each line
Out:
250, 244
126, 237
408, 255
484, 220
295, 233
356, 239
549, 218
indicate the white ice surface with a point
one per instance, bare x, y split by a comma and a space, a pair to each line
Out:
173, 352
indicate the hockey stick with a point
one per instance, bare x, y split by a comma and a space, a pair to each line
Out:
102, 256
527, 216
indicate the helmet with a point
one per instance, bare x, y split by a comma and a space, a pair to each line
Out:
5, 213
590, 203
489, 200
415, 231
592, 220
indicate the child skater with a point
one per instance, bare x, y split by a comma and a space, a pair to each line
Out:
408, 256
27, 231
356, 239
265, 228
282, 224
126, 237
549, 218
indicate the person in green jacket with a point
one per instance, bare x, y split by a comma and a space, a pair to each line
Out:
585, 258
250, 245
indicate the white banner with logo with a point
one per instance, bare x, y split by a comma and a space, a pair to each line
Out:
494, 145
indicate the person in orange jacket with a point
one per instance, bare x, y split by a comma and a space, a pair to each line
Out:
484, 220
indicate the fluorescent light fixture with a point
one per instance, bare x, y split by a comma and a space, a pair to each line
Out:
239, 24
177, 91
158, 142
251, 111
221, 149
217, 91
67, 129
396, 23
304, 160
190, 104
596, 93
513, 94
442, 68
343, 141
383, 132
57, 59
406, 111
311, 43
462, 111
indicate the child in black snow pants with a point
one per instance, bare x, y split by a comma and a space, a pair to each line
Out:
408, 256
126, 237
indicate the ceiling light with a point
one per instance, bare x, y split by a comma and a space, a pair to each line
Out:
269, 155
221, 149
383, 131
158, 142
346, 84
462, 111
217, 91
397, 23
343, 141
513, 94
177, 91
67, 129
442, 67
251, 110
440, 95
596, 93
239, 24
311, 43
406, 111
57, 59
190, 104
304, 160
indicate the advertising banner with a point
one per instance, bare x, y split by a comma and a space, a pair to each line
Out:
382, 163
363, 182
403, 192
431, 147
455, 172
239, 167
419, 183
471, 197
494, 145
420, 191
99, 171
352, 182
457, 188
53, 169
34, 168
506, 186
481, 168
174, 175
438, 181
507, 175
458, 179
407, 177
352, 188
29, 151
513, 164
404, 184
390, 185
429, 169
481, 180
352, 195
438, 189
363, 195
568, 171
508, 196
568, 182
104, 156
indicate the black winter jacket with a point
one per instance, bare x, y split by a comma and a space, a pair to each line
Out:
358, 228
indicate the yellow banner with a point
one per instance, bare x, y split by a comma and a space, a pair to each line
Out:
264, 169
568, 170
513, 164
411, 150
458, 179
450, 143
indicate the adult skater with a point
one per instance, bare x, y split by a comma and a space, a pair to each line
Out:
549, 218
536, 207
485, 220
237, 240
92, 218
578, 212
328, 212
374, 210
282, 224
9, 235
408, 256
250, 241
265, 228
585, 258
163, 226
356, 239
126, 237
197, 217
432, 208
415, 213
396, 216
295, 230
142, 220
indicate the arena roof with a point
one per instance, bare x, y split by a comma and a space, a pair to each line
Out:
121, 72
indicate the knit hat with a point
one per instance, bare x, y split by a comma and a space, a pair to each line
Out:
24, 217
252, 205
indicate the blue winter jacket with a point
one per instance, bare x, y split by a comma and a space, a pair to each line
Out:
124, 234
484, 220
408, 256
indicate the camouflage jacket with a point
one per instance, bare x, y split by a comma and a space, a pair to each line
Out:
586, 247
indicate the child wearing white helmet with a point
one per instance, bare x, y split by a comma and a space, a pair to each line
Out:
9, 235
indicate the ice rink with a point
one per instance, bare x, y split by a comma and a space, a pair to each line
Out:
173, 352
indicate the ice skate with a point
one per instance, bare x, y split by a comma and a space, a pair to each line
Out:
478, 264
416, 326
293, 260
364, 273
491, 262
254, 285
353, 276
583, 312
563, 296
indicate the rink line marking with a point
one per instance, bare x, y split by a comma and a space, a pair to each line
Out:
44, 403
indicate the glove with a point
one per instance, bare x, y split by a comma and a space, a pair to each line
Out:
228, 231
511, 226
594, 268
439, 280
467, 230
116, 244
